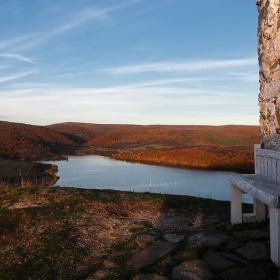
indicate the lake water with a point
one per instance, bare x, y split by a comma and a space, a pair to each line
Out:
98, 172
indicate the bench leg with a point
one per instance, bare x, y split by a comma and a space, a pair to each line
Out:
259, 210
236, 205
274, 222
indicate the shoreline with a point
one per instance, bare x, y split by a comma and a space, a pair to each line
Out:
110, 154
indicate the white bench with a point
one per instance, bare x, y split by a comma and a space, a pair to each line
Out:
264, 187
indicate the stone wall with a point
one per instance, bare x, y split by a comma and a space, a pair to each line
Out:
269, 61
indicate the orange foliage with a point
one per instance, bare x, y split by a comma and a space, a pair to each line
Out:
192, 157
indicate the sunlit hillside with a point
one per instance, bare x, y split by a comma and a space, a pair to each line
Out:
229, 146
24, 141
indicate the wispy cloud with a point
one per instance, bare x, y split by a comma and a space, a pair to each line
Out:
74, 21
249, 76
15, 40
16, 56
15, 76
176, 67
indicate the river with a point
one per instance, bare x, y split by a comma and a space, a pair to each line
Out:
98, 172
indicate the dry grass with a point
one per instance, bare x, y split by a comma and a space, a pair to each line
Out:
65, 232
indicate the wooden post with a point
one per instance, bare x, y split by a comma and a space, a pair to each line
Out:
274, 223
236, 205
259, 210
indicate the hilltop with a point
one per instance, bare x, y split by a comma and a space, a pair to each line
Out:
229, 146
30, 142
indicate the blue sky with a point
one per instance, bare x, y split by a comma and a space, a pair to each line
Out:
132, 61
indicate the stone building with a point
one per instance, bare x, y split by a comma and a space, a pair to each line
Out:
269, 62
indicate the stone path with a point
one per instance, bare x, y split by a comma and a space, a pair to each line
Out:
208, 254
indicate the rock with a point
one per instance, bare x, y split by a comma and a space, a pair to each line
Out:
99, 275
192, 270
151, 254
166, 262
248, 218
120, 237
137, 227
217, 262
203, 240
254, 251
179, 256
210, 221
145, 239
233, 245
251, 234
233, 257
248, 273
173, 237
149, 276
109, 265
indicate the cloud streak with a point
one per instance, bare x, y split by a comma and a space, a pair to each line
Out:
15, 40
178, 67
15, 76
16, 56
76, 20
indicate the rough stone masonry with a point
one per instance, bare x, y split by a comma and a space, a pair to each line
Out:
269, 61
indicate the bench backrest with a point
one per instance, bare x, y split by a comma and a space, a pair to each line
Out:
267, 163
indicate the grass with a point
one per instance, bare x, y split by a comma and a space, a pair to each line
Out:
221, 138
12, 168
26, 173
58, 240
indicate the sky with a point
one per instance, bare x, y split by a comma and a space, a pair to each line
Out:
129, 62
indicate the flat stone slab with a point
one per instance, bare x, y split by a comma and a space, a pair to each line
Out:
233, 245
254, 251
99, 275
137, 227
192, 270
203, 240
145, 239
217, 262
174, 238
151, 254
109, 265
120, 237
233, 257
210, 221
181, 255
149, 276
249, 273
166, 262
251, 234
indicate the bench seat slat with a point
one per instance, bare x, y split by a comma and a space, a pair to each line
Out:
259, 187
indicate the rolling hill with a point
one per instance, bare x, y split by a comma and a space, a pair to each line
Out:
229, 146
30, 142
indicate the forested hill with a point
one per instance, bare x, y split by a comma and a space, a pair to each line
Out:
229, 146
84, 132
30, 142
116, 135
177, 136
